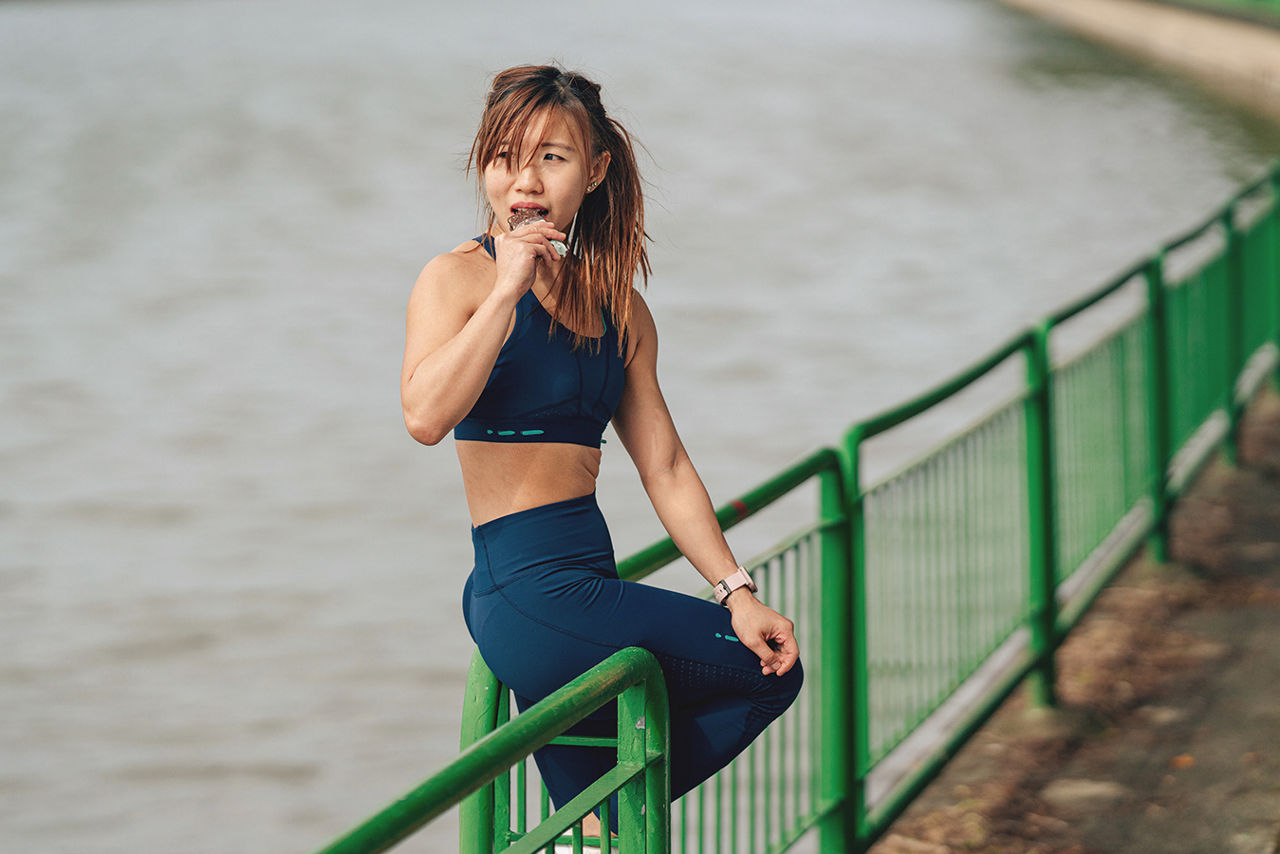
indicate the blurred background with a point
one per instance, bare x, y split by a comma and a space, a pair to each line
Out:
229, 580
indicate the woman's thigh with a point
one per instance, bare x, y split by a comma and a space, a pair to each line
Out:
541, 631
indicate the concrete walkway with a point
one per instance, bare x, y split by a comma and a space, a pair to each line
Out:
1168, 737
1236, 59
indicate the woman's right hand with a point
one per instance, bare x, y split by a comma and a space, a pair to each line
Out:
517, 254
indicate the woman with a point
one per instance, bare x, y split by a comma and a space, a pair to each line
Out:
526, 355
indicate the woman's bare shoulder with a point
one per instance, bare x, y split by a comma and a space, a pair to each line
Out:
461, 277
640, 307
641, 329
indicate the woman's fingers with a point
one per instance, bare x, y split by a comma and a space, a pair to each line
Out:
785, 653
518, 252
531, 241
782, 653
539, 230
770, 636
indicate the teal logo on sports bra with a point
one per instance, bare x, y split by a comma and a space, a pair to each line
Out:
513, 432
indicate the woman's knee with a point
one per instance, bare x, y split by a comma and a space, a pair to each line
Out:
466, 605
784, 689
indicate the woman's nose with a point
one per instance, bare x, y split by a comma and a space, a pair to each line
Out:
527, 178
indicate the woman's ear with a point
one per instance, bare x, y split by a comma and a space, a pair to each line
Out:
599, 168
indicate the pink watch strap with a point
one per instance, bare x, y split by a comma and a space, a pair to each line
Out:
725, 586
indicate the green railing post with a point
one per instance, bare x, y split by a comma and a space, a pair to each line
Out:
841, 792
1235, 329
1043, 557
479, 718
643, 824
860, 683
1159, 408
657, 778
1275, 274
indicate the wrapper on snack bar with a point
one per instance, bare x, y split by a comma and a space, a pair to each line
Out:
524, 216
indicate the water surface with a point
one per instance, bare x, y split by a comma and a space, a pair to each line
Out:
229, 580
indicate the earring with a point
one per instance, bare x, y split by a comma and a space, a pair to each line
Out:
592, 186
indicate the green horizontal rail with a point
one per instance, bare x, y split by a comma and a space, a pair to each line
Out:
652, 558
924, 599
903, 412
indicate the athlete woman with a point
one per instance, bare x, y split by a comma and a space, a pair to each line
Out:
526, 356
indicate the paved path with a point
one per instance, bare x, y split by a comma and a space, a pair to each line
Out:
1168, 739
1237, 59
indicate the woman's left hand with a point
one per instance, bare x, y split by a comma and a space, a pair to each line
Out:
765, 632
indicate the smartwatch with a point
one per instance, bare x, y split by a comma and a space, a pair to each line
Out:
725, 586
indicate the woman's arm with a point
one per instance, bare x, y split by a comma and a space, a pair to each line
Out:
459, 314
645, 427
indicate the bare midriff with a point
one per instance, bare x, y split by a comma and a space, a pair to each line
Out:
506, 478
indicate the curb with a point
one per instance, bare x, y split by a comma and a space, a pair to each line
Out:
1238, 60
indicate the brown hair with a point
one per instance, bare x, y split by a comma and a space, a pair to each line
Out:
607, 238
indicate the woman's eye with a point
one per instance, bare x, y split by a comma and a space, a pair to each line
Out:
550, 156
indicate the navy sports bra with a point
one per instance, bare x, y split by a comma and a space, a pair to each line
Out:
541, 389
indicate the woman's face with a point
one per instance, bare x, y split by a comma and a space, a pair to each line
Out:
552, 178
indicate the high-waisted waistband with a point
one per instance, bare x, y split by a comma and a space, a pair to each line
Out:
568, 533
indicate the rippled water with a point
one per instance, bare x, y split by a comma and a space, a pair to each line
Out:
228, 579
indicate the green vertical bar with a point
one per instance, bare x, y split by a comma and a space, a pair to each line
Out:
838, 827
522, 783
718, 823
631, 751
502, 790
479, 718
1235, 349
754, 788
969, 555
960, 496
918, 661
855, 618
1275, 257
733, 799
766, 749
817, 747
657, 777
684, 825
777, 733
1120, 371
767, 777
801, 569
926, 604
1043, 601
1158, 405
702, 821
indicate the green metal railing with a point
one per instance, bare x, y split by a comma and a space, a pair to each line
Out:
923, 599
638, 784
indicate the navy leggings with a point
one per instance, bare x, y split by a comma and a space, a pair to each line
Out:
544, 604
